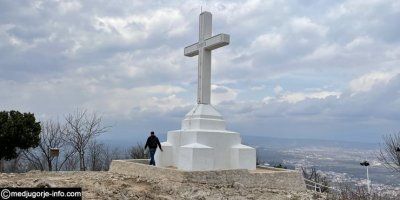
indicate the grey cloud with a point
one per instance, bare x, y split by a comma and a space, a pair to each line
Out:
371, 113
57, 55
220, 90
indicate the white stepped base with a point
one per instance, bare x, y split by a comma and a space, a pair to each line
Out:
204, 144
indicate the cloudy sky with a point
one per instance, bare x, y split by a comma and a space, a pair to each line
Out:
295, 69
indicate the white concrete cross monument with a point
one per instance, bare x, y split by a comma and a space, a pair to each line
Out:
203, 49
203, 143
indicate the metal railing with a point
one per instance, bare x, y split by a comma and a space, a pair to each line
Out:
317, 187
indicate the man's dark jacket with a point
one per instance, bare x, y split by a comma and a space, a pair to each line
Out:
152, 142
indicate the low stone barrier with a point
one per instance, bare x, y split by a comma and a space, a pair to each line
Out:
261, 177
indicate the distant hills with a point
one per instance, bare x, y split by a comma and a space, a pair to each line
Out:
279, 143
255, 141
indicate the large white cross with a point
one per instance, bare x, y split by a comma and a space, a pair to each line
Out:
203, 48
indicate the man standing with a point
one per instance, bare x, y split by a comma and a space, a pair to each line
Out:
152, 142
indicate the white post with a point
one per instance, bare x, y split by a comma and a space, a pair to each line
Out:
368, 182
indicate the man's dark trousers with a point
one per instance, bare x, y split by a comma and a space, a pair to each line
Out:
152, 151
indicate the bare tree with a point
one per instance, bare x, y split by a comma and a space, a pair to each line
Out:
315, 176
81, 128
13, 165
350, 192
107, 158
389, 154
138, 152
118, 153
96, 155
51, 136
72, 163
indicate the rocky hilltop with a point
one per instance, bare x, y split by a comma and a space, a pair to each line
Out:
109, 185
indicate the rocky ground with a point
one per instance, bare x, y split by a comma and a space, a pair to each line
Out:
108, 185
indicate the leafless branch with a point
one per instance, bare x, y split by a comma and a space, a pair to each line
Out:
389, 154
81, 128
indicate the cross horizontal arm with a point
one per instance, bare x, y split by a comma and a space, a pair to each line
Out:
211, 43
217, 41
191, 50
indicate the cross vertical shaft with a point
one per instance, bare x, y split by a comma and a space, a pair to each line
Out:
203, 49
204, 64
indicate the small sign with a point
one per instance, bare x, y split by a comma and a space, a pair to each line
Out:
54, 152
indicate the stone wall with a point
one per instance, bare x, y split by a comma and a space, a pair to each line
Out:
262, 177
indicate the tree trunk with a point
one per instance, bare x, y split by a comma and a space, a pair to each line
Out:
82, 161
14, 167
93, 163
1, 165
50, 165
